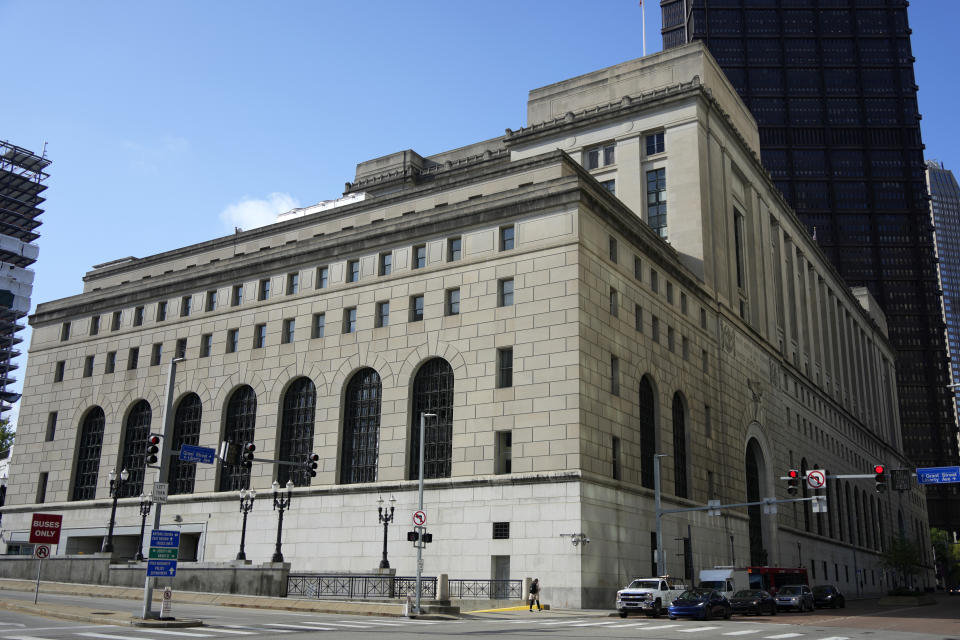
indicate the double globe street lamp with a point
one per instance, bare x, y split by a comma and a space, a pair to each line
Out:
146, 503
246, 506
116, 483
385, 517
280, 503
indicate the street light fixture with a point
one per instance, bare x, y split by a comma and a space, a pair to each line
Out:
116, 483
146, 503
280, 503
246, 506
386, 518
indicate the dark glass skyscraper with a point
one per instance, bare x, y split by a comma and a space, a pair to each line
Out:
831, 85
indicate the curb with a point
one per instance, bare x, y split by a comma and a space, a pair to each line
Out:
77, 614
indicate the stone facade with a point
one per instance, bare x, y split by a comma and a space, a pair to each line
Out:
731, 347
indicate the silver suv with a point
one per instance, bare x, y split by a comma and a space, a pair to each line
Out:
795, 596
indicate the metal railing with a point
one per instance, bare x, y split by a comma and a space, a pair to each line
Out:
486, 589
358, 587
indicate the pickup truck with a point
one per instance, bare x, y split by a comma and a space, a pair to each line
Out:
651, 596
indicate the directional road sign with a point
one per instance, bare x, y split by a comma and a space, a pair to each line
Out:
45, 528
163, 553
193, 453
938, 475
161, 568
164, 538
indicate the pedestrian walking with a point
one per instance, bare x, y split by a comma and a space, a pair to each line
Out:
535, 594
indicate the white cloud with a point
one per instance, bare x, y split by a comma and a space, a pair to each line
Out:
250, 213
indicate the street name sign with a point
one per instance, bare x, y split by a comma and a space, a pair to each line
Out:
160, 492
938, 475
193, 453
163, 553
161, 568
165, 538
45, 528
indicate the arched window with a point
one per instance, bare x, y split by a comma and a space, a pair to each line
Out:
135, 448
865, 518
361, 428
432, 393
880, 526
838, 493
296, 431
679, 446
873, 523
859, 515
831, 512
758, 551
186, 430
850, 512
88, 455
239, 428
803, 486
648, 432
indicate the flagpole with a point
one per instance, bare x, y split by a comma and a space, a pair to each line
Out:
643, 27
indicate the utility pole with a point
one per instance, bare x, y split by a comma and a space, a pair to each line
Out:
423, 426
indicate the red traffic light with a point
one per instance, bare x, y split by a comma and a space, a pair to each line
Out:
793, 474
247, 456
154, 440
878, 468
793, 477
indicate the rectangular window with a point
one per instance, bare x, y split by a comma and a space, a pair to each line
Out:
64, 332
42, 487
156, 353
612, 248
161, 311
703, 318
233, 340
132, 357
655, 143
416, 308
51, 426
506, 238
293, 284
670, 292
185, 304
319, 325
614, 307
685, 347
683, 303
59, 370
654, 281
94, 325
600, 156
704, 361
259, 336
609, 185
501, 530
615, 375
655, 328
638, 318
138, 316
671, 338
453, 302
323, 277
615, 457
353, 271
503, 454
115, 321
638, 268
350, 320
707, 422
738, 246
263, 289
111, 364
657, 201
289, 330
419, 257
206, 345
382, 318
385, 266
211, 302
454, 249
88, 366
505, 367
181, 349
505, 292
237, 298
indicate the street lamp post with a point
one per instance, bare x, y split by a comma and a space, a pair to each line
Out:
280, 503
116, 483
246, 506
423, 428
386, 518
146, 503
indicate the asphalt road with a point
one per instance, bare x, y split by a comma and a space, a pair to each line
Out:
240, 623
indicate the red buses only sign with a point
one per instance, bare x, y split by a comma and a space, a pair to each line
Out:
45, 528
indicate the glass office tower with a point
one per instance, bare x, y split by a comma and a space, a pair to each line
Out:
831, 85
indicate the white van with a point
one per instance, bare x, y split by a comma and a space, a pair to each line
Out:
726, 580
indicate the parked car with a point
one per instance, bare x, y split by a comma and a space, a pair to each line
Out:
753, 601
702, 604
795, 596
827, 595
648, 595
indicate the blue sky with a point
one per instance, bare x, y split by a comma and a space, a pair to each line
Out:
169, 123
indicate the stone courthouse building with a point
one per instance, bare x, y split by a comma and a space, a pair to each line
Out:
618, 279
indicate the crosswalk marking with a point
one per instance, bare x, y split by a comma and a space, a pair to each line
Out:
662, 626
348, 625
234, 631
301, 627
23, 638
742, 633
836, 638
695, 629
547, 624
255, 630
635, 624
783, 635
104, 636
594, 624
12, 624
176, 633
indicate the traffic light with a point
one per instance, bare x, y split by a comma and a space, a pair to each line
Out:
153, 448
247, 457
412, 536
427, 537
310, 465
880, 477
793, 481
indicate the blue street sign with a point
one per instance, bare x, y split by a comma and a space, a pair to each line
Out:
161, 568
193, 453
938, 475
162, 538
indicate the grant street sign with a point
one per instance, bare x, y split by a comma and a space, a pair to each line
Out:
193, 453
938, 475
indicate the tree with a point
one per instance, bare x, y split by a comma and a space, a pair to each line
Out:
903, 556
948, 558
7, 435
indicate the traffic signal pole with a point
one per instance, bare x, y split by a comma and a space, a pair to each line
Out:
423, 425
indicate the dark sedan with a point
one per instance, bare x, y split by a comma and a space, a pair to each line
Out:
827, 595
753, 601
702, 604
